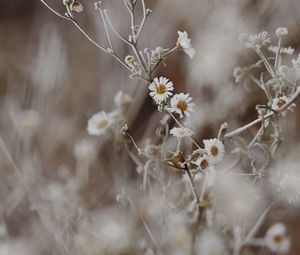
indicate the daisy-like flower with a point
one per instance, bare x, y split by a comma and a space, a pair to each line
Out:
161, 89
279, 102
276, 239
181, 132
255, 41
281, 31
184, 43
215, 150
182, 104
203, 162
283, 50
99, 123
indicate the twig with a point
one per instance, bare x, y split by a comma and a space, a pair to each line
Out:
266, 116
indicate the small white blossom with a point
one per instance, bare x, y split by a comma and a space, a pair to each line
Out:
255, 41
122, 99
203, 162
279, 102
161, 89
181, 132
276, 239
76, 6
281, 31
283, 50
296, 62
99, 123
215, 149
129, 60
185, 44
182, 104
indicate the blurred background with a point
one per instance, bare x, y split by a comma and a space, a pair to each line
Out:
48, 66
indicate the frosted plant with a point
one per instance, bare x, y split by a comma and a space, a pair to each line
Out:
186, 194
185, 44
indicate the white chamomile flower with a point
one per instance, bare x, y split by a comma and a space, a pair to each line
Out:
203, 162
283, 50
185, 44
181, 132
99, 123
182, 104
215, 149
281, 31
161, 89
279, 102
296, 62
276, 239
255, 41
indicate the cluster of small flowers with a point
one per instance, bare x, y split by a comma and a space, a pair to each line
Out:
161, 89
282, 83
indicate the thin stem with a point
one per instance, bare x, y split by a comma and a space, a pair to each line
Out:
266, 89
54, 11
134, 48
105, 27
162, 58
143, 20
266, 63
192, 183
277, 54
179, 124
114, 29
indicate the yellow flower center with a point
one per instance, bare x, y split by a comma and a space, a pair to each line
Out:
161, 89
214, 150
182, 105
277, 238
102, 124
